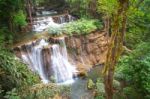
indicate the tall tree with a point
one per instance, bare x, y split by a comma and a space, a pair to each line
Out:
8, 10
117, 12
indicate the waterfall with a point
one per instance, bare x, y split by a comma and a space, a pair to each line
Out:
33, 58
41, 23
63, 70
65, 18
49, 59
46, 59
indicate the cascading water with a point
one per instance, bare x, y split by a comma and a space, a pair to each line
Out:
40, 24
49, 59
43, 23
62, 69
34, 59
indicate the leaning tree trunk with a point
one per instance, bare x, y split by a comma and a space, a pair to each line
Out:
107, 26
115, 47
111, 60
29, 9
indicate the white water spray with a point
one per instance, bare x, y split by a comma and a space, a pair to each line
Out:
63, 70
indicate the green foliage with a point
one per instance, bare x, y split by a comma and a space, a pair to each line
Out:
82, 26
20, 18
13, 73
55, 31
79, 7
7, 12
1, 90
37, 2
12, 94
14, 5
135, 33
130, 93
6, 37
45, 91
2, 37
100, 86
90, 84
107, 7
138, 24
116, 84
99, 97
16, 73
135, 69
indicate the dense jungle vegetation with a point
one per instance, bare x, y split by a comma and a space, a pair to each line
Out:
126, 73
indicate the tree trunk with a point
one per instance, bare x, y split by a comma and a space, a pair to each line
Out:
115, 47
29, 8
107, 25
108, 81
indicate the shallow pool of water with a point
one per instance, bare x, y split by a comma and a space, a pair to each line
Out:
79, 90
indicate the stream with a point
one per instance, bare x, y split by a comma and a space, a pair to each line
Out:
79, 87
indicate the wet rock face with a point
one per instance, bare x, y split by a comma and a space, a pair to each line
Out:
46, 55
84, 51
62, 18
87, 50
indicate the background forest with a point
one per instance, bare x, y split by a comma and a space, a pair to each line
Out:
132, 70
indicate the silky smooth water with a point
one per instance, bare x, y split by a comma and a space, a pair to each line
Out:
43, 23
63, 70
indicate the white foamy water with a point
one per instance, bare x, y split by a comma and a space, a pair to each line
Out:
63, 70
42, 23
34, 59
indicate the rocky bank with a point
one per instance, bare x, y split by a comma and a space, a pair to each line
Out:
84, 51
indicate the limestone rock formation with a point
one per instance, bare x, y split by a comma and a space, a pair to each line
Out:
87, 51
84, 51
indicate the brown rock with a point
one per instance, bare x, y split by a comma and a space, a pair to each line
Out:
77, 42
89, 48
92, 48
92, 59
46, 56
17, 51
98, 58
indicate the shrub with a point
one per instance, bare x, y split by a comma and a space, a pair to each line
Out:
130, 93
45, 91
12, 94
82, 26
1, 92
20, 18
55, 31
13, 73
99, 97
79, 7
135, 69
90, 84
116, 84
100, 88
6, 37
